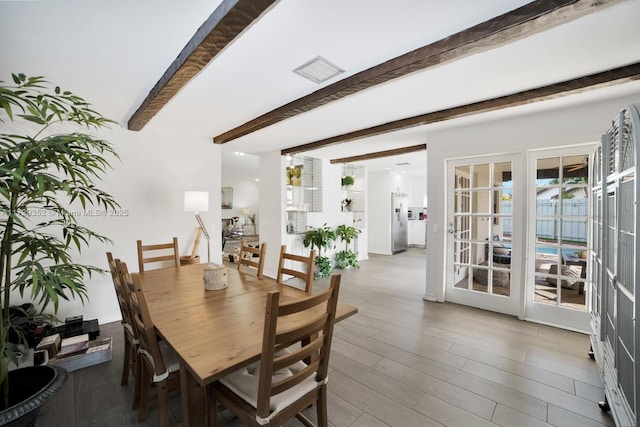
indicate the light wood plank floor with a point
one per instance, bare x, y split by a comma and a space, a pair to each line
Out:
402, 361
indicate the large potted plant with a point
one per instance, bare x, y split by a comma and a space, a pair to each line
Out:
48, 165
321, 238
346, 258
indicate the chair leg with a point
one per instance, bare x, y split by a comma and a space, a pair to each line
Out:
126, 362
137, 391
145, 381
163, 403
321, 406
134, 359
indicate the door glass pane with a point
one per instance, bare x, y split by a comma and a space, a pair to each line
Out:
574, 170
502, 175
546, 276
462, 202
481, 228
482, 201
574, 230
571, 297
478, 256
481, 176
462, 177
547, 230
548, 171
481, 278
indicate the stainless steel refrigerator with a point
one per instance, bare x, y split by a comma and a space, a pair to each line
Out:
399, 222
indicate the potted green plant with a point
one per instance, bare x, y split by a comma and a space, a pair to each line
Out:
47, 179
347, 180
321, 238
297, 173
289, 174
346, 258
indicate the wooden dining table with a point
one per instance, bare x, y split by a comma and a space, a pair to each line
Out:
212, 332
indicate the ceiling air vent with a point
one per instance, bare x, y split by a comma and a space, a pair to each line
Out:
318, 70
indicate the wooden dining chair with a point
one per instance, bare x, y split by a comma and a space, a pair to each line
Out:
280, 385
158, 365
305, 273
252, 257
148, 254
123, 275
130, 338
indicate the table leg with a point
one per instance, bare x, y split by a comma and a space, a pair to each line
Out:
194, 405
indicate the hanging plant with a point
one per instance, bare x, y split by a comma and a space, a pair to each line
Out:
347, 180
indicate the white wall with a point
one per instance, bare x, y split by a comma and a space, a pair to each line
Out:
272, 224
526, 129
149, 183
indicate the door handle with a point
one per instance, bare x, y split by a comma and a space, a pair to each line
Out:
450, 229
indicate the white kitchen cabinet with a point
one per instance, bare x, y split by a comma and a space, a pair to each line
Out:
417, 233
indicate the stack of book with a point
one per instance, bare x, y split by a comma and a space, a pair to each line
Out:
76, 352
51, 344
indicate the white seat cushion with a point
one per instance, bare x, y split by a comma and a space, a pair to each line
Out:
170, 359
244, 383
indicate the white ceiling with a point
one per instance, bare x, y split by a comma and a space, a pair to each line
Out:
113, 52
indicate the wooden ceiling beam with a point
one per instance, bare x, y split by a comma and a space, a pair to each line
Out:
224, 25
529, 19
582, 84
380, 154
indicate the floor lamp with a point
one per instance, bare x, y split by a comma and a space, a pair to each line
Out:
198, 201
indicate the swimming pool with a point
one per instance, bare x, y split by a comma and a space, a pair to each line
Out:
551, 250
554, 251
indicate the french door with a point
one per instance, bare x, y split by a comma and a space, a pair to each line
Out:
483, 228
558, 238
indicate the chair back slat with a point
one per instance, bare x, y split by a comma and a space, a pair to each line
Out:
301, 331
295, 379
248, 259
154, 253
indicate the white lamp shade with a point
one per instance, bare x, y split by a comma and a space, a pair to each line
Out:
246, 211
196, 201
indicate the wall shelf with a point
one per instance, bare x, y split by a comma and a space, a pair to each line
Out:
355, 193
305, 197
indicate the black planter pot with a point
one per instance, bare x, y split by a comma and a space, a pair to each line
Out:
29, 389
